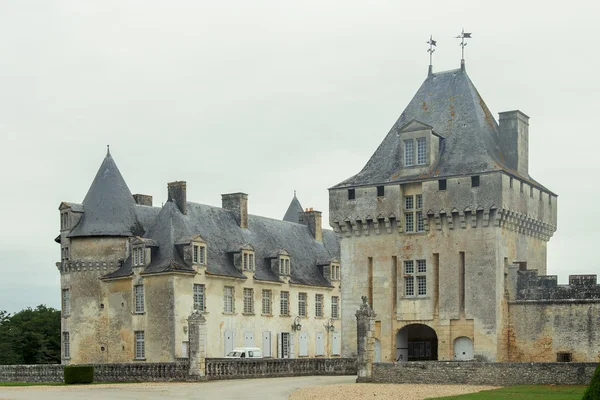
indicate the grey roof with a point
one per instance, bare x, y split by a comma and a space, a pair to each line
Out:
109, 207
449, 102
219, 229
293, 212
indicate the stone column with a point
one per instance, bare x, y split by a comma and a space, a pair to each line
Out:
365, 326
197, 347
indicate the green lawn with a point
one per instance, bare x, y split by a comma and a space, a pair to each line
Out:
526, 392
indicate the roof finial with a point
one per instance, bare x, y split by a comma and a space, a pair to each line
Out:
463, 35
431, 43
108, 149
294, 193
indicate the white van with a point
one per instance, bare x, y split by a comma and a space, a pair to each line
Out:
245, 352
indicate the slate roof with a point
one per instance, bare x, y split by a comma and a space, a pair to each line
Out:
109, 207
449, 102
223, 237
293, 212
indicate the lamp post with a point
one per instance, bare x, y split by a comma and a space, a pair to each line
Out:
296, 325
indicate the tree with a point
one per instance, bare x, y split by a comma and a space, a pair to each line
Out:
31, 336
593, 390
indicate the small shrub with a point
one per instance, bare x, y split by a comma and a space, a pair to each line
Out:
78, 374
593, 390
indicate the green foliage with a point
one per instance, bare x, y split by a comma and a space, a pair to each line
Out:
525, 392
31, 336
78, 374
593, 390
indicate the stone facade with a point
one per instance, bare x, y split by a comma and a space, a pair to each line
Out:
132, 274
433, 227
475, 373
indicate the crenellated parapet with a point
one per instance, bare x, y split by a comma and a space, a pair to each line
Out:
447, 219
531, 286
104, 267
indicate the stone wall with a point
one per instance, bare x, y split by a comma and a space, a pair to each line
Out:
227, 368
474, 373
531, 286
131, 372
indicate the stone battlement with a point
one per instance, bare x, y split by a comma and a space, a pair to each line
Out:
105, 266
531, 286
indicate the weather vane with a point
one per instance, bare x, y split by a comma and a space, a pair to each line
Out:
463, 35
431, 44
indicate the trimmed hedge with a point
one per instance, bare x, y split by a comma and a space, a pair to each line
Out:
593, 390
78, 374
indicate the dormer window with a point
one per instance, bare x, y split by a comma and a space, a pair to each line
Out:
412, 159
199, 254
248, 260
64, 221
284, 265
138, 256
335, 272
421, 151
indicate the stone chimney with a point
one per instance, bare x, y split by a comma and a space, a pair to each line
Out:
514, 140
143, 199
313, 220
238, 203
178, 194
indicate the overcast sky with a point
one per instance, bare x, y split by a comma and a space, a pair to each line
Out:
268, 97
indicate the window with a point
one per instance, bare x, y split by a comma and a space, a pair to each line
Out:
563, 356
66, 302
199, 298
409, 202
475, 181
411, 274
202, 255
351, 194
531, 191
335, 307
409, 153
196, 257
228, 305
65, 253
380, 191
140, 348
521, 185
511, 182
266, 302
66, 345
139, 298
284, 266
248, 301
284, 303
248, 261
138, 256
442, 184
318, 305
302, 304
409, 222
199, 254
421, 151
64, 220
419, 199
335, 272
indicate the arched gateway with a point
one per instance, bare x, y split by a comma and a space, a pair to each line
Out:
416, 342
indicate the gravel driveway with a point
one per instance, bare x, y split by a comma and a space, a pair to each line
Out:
383, 391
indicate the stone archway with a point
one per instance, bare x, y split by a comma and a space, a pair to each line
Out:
416, 342
463, 349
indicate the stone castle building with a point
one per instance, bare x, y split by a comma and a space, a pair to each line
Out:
132, 274
445, 231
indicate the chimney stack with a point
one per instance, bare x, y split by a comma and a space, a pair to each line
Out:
313, 220
514, 140
143, 199
238, 203
177, 193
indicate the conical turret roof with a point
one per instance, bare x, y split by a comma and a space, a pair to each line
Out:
108, 207
449, 103
293, 212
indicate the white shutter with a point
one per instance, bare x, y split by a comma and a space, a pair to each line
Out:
336, 344
320, 348
266, 344
292, 346
229, 340
303, 344
248, 339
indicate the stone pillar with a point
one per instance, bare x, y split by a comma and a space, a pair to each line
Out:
365, 326
197, 347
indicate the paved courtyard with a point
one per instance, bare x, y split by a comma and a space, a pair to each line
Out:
270, 388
